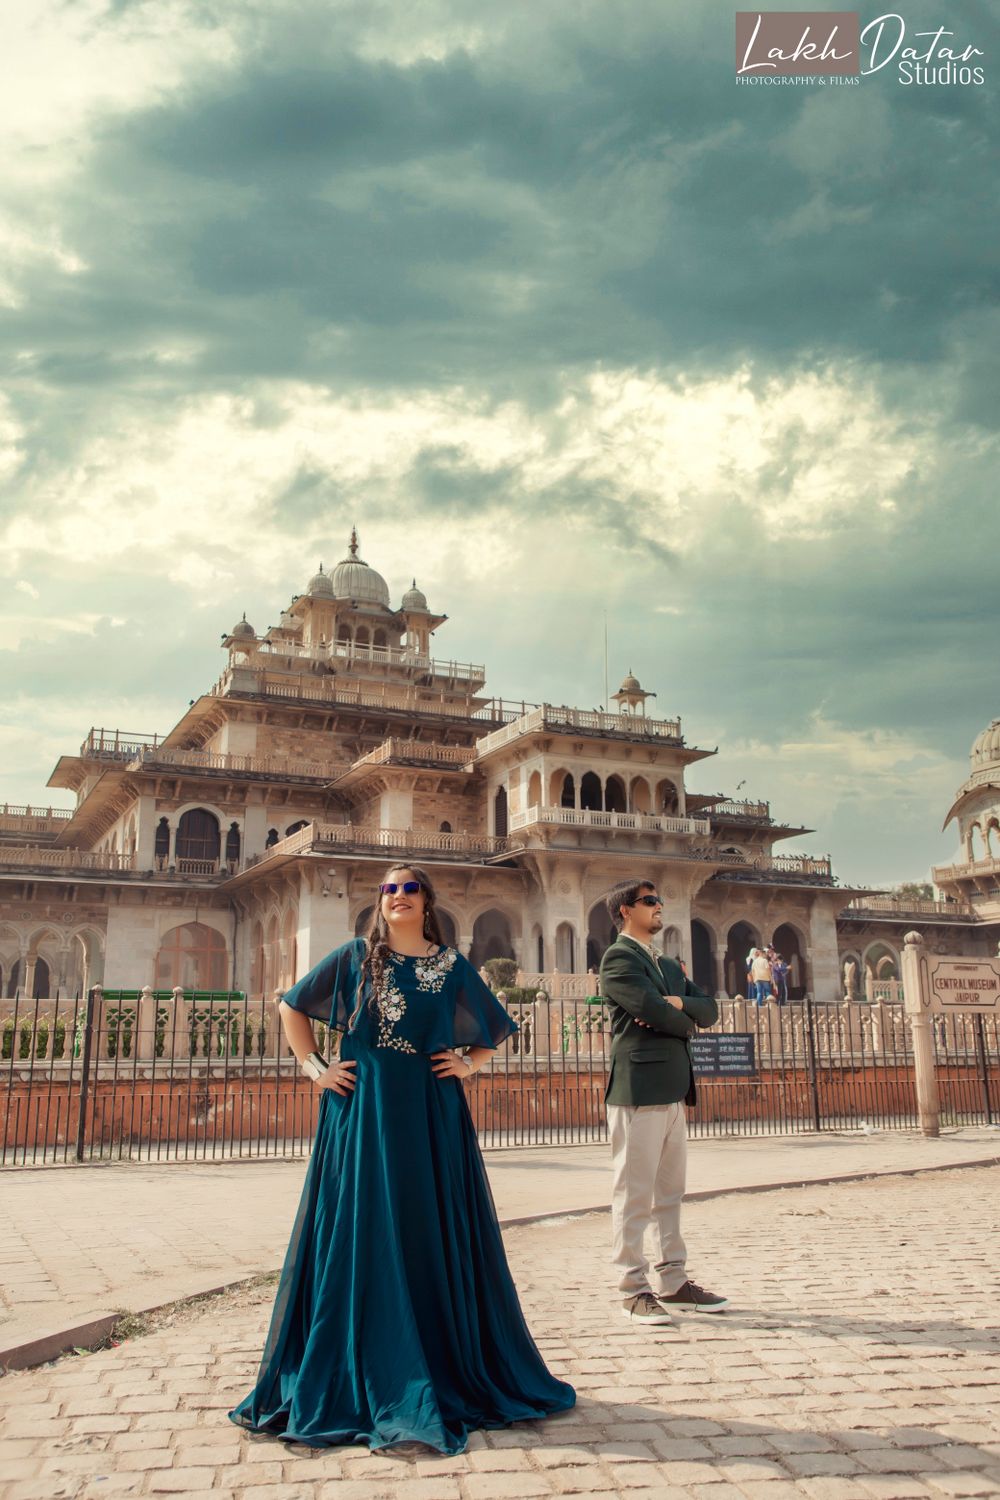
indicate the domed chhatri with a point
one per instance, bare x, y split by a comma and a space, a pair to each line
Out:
320, 585
631, 696
414, 598
354, 579
242, 630
986, 747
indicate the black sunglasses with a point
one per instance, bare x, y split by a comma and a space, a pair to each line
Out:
408, 887
647, 901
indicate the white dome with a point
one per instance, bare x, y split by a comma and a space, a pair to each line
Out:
320, 585
986, 747
414, 598
354, 579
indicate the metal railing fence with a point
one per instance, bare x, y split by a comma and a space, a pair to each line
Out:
165, 1076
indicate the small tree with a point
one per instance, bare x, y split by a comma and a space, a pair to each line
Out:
502, 972
914, 890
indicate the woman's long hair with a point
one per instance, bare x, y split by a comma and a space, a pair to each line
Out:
377, 937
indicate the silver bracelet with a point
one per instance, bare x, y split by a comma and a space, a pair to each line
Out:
469, 1063
314, 1066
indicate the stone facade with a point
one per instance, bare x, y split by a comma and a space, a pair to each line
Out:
236, 850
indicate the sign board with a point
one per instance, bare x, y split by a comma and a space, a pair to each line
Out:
723, 1056
964, 983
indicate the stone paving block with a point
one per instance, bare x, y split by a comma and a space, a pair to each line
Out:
964, 1484
901, 1460
504, 1486
895, 1487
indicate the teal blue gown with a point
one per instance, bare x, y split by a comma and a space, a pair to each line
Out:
396, 1318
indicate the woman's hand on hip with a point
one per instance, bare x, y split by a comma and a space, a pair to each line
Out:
450, 1065
339, 1076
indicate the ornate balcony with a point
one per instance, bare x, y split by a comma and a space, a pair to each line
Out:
580, 721
902, 908
275, 767
574, 817
336, 838
18, 818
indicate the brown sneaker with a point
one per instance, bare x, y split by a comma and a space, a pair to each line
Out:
645, 1308
693, 1298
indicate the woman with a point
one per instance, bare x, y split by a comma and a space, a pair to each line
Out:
396, 1318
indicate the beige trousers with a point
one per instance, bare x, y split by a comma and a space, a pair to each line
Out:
649, 1163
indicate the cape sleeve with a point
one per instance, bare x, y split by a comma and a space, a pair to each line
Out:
328, 992
480, 1019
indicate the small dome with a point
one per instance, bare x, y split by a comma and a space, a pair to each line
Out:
414, 598
320, 586
354, 579
986, 747
242, 630
630, 684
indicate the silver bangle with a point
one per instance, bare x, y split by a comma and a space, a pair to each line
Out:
314, 1066
469, 1063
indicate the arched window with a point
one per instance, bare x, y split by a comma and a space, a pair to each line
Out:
233, 846
667, 800
567, 792
534, 789
601, 933
380, 638
272, 838
362, 638
294, 827
445, 827
161, 846
192, 956
15, 978
446, 922
197, 838
43, 980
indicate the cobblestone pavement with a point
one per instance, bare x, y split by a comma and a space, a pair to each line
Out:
165, 1232
859, 1360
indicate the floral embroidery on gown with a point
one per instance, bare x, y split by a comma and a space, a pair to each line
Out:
396, 1318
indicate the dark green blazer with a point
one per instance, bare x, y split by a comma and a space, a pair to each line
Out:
650, 1064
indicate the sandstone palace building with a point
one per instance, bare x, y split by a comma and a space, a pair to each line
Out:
236, 850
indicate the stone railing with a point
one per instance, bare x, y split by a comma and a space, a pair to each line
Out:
26, 819
386, 656
574, 817
905, 906
757, 810
410, 750
115, 744
941, 874
579, 721
237, 765
560, 986
63, 859
317, 836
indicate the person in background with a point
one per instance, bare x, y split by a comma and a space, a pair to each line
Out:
760, 973
779, 976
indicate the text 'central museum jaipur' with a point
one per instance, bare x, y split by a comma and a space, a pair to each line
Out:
235, 851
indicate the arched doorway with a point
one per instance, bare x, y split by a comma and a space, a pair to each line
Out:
703, 958
667, 800
192, 956
534, 789
742, 937
490, 938
448, 929
590, 792
563, 790
639, 795
786, 942
614, 795
566, 948
881, 961
601, 933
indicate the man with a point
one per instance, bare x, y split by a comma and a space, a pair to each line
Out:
760, 973
654, 1009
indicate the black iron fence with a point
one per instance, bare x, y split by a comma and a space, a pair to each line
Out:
164, 1076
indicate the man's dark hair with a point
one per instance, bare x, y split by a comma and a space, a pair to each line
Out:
626, 893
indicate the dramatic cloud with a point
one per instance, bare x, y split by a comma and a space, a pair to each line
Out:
506, 286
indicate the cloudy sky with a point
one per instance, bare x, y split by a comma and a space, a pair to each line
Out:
564, 320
